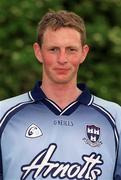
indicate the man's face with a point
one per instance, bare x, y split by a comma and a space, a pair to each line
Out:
61, 54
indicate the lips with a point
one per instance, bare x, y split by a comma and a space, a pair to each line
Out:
61, 70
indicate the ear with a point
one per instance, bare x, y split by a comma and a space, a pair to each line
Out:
85, 50
37, 52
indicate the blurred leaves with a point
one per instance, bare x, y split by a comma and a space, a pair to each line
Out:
18, 67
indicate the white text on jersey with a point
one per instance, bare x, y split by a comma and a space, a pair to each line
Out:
41, 165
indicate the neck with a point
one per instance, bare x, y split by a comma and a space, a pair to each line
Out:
61, 94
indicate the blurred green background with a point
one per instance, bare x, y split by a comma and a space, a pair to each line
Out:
18, 66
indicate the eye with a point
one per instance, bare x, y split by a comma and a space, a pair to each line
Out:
54, 49
71, 49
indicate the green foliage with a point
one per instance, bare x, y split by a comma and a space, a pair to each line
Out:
18, 66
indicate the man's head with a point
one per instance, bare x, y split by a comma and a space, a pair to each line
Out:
56, 20
61, 46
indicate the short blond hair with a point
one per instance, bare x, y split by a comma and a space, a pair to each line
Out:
59, 19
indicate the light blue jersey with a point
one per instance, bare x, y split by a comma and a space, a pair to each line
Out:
39, 140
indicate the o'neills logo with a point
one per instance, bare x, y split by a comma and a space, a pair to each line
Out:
43, 166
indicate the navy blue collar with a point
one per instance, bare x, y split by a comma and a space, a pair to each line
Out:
85, 97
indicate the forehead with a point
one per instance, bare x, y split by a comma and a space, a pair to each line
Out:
62, 36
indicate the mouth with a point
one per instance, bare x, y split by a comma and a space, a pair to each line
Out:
61, 70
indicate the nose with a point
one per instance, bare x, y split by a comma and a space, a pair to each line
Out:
62, 57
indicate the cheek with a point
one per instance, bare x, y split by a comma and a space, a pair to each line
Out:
47, 60
75, 61
76, 64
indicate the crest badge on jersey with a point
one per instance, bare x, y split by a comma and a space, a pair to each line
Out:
33, 131
93, 135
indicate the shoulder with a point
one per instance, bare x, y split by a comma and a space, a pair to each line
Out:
7, 104
110, 107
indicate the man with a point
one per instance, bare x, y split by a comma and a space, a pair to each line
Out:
59, 130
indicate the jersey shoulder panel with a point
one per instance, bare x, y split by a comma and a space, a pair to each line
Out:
7, 104
113, 108
109, 105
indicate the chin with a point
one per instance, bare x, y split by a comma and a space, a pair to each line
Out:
61, 81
